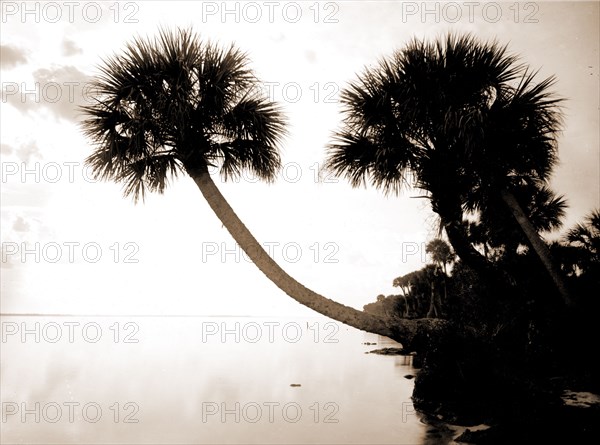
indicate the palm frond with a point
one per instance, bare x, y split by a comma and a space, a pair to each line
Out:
361, 159
171, 103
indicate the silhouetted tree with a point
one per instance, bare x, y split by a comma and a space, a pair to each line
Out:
461, 120
173, 105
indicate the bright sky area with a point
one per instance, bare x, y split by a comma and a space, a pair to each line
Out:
92, 252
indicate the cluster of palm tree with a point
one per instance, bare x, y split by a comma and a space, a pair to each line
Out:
459, 119
390, 307
424, 291
464, 122
421, 292
579, 250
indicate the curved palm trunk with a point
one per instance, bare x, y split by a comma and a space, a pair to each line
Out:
462, 246
472, 257
538, 244
449, 209
411, 333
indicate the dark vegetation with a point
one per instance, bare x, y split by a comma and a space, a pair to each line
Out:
512, 316
508, 357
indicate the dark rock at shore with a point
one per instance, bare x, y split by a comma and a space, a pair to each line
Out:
389, 351
409, 376
560, 425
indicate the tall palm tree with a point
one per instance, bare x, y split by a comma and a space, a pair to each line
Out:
461, 120
440, 252
442, 255
173, 104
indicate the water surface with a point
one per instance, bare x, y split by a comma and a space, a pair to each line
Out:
159, 380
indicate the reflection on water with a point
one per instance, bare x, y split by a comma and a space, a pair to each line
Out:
201, 380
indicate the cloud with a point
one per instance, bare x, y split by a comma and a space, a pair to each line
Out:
59, 89
25, 152
11, 57
28, 151
25, 224
69, 48
5, 149
20, 225
280, 37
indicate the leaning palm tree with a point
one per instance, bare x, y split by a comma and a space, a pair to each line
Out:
459, 119
173, 104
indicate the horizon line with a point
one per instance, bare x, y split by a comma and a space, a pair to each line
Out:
24, 314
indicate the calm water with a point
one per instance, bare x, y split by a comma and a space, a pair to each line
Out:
159, 380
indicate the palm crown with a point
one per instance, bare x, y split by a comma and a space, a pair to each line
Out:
174, 103
454, 115
587, 236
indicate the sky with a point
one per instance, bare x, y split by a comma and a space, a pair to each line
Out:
72, 245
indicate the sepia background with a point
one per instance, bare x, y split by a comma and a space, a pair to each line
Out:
72, 246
